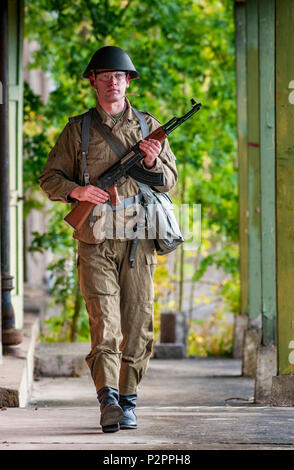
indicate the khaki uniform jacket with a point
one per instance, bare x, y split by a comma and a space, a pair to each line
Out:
63, 169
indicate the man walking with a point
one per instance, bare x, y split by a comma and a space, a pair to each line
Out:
119, 299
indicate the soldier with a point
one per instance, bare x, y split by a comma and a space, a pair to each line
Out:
119, 300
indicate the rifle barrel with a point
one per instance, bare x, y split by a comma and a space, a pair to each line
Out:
176, 122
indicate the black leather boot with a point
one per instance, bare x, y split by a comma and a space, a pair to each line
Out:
128, 404
111, 412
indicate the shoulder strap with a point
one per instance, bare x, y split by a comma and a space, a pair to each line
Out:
143, 122
86, 132
85, 145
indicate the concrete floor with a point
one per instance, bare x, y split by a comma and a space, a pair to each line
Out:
185, 404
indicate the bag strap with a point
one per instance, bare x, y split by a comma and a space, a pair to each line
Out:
145, 131
143, 123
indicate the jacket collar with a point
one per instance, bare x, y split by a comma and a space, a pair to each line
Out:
129, 114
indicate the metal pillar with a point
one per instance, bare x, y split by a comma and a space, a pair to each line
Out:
10, 336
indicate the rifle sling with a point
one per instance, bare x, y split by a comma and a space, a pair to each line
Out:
113, 143
85, 145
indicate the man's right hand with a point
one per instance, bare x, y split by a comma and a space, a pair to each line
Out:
89, 193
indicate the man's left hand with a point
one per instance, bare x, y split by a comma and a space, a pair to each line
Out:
152, 149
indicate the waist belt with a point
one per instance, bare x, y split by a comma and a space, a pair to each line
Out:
128, 201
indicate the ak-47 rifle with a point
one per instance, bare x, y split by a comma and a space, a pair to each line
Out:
126, 167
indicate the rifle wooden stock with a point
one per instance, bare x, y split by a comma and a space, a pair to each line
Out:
113, 194
77, 216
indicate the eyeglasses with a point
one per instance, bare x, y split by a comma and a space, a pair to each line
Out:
107, 76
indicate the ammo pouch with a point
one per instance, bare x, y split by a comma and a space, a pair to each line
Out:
161, 223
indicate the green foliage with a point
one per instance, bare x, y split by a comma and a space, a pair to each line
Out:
182, 49
230, 291
211, 337
35, 146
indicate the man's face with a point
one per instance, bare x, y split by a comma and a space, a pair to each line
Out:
111, 85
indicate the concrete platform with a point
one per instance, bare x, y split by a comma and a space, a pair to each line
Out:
159, 428
183, 405
16, 373
170, 382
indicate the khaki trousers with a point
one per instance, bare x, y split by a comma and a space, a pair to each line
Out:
120, 304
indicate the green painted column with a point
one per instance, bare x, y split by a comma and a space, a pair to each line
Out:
285, 183
253, 143
267, 168
240, 48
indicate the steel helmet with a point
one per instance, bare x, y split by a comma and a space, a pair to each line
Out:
112, 58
